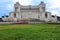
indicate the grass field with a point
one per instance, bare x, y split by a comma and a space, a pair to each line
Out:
29, 31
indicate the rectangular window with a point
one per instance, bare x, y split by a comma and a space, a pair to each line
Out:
46, 15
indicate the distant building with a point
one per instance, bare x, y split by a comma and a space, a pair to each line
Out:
30, 13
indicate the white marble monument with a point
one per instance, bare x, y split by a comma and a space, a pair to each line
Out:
30, 12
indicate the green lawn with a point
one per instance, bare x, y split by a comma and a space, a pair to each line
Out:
29, 31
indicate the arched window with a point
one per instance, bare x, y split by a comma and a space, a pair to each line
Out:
14, 15
16, 8
46, 15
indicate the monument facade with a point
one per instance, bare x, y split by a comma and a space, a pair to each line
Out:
30, 13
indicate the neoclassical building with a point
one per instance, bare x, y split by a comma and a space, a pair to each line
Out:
30, 13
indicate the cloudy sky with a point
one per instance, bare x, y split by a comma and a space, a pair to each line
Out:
7, 6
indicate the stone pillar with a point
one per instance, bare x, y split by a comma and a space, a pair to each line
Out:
42, 10
11, 14
17, 7
48, 18
55, 18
